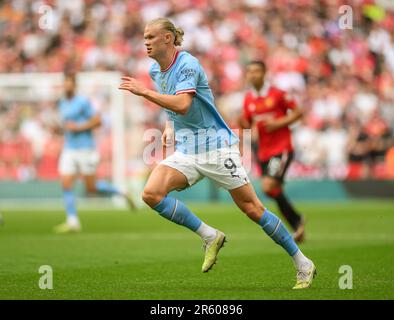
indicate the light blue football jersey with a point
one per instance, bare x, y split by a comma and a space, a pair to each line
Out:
77, 109
202, 128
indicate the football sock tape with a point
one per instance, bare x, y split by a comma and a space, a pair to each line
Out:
274, 228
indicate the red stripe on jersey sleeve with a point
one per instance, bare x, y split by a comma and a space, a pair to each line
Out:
186, 91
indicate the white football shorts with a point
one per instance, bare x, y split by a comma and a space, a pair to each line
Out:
223, 166
84, 161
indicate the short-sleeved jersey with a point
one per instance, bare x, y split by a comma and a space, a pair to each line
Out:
202, 128
270, 103
77, 109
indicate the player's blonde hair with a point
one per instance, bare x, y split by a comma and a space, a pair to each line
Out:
166, 24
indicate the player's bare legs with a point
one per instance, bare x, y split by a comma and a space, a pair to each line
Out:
247, 200
273, 188
162, 181
102, 187
67, 181
72, 223
90, 183
165, 179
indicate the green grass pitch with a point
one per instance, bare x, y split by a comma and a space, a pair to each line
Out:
125, 255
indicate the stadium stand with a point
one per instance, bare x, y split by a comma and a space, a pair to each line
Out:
343, 78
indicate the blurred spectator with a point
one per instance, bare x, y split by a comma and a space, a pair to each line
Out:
334, 142
336, 74
368, 147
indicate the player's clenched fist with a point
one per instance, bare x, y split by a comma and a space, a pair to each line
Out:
132, 85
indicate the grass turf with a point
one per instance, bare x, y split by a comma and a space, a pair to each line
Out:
123, 255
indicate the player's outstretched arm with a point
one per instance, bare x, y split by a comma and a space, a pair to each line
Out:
177, 103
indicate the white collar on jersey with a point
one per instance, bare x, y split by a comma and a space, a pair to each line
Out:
263, 91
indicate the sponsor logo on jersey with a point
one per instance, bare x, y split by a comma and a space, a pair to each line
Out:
269, 102
163, 86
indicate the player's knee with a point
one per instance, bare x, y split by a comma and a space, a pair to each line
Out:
151, 197
66, 186
67, 182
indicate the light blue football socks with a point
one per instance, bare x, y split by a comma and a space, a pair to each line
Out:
106, 188
69, 203
174, 210
275, 229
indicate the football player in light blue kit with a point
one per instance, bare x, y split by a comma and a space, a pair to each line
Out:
205, 147
79, 155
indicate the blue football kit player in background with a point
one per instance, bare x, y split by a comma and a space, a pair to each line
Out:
79, 154
205, 147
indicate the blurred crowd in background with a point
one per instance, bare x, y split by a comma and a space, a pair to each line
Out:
343, 78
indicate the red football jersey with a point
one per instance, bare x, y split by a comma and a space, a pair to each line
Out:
271, 103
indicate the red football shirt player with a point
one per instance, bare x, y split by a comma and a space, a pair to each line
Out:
271, 111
